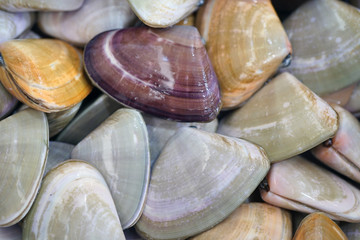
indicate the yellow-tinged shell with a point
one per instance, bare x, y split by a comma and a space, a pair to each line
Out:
246, 43
45, 74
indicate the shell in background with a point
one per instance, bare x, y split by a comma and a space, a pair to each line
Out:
7, 102
88, 119
341, 97
59, 120
74, 202
252, 221
80, 26
188, 21
325, 38
58, 152
42, 5
45, 74
11, 233
351, 230
342, 153
24, 142
12, 25
161, 130
284, 117
197, 181
163, 72
163, 13
119, 148
29, 35
300, 185
246, 43
318, 226
353, 104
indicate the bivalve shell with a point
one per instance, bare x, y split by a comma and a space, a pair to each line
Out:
43, 5
14, 24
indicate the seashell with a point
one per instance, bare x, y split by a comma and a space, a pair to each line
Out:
88, 119
163, 13
160, 130
43, 5
353, 105
351, 230
342, 152
58, 153
45, 74
198, 180
119, 148
162, 72
11, 233
246, 43
341, 97
318, 226
80, 26
252, 221
59, 120
14, 24
326, 53
284, 117
300, 185
29, 35
7, 102
23, 149
74, 202
188, 21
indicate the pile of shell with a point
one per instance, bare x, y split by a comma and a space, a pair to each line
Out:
150, 155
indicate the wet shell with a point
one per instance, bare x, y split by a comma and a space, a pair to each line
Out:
119, 148
88, 119
198, 180
300, 185
318, 226
14, 24
43, 5
74, 202
342, 152
325, 38
284, 117
58, 153
80, 26
246, 43
163, 13
7, 102
252, 221
23, 149
45, 74
166, 73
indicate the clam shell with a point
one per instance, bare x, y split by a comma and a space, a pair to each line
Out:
188, 21
351, 230
43, 5
284, 117
252, 221
325, 38
74, 202
59, 120
88, 119
11, 233
166, 72
343, 153
119, 148
163, 13
318, 226
197, 181
29, 35
58, 153
14, 24
45, 74
300, 185
23, 149
353, 104
341, 97
94, 17
246, 43
7, 102
161, 130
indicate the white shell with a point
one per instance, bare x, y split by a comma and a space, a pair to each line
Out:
43, 5
14, 24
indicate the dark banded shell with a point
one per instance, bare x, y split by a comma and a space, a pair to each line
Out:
164, 72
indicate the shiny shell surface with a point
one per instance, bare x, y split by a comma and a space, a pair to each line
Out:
43, 5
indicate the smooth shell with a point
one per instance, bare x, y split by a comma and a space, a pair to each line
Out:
325, 38
252, 221
300, 185
163, 13
246, 43
14, 24
119, 148
197, 181
88, 119
43, 5
74, 202
58, 153
284, 117
353, 104
80, 26
318, 226
24, 142
45, 74
7, 102
166, 73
